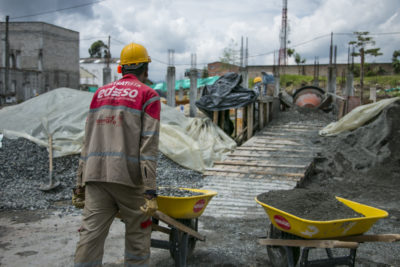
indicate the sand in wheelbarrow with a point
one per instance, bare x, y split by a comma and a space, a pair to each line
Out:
308, 204
176, 192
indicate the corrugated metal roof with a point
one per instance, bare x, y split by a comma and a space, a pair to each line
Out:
85, 73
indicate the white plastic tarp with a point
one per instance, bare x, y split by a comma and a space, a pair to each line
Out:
61, 112
357, 117
194, 143
191, 142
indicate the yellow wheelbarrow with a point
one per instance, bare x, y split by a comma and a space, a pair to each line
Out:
181, 215
287, 233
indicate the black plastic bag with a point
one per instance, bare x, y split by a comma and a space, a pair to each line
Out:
226, 93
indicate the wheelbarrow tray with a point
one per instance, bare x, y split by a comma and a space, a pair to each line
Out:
185, 207
311, 229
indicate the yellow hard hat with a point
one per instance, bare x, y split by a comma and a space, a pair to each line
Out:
134, 54
257, 80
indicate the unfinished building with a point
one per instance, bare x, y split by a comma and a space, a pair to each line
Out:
41, 57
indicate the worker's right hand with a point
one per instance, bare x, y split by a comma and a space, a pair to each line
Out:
150, 206
78, 197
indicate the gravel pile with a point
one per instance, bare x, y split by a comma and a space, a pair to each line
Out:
308, 204
25, 167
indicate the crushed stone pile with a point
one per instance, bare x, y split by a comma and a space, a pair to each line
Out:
297, 114
176, 192
363, 163
25, 167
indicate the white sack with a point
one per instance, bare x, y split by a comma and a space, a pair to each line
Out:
357, 117
194, 143
61, 112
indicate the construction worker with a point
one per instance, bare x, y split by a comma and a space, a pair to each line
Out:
118, 162
257, 85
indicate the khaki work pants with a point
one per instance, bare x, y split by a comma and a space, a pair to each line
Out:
102, 203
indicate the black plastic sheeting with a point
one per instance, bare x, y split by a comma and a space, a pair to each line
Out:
226, 93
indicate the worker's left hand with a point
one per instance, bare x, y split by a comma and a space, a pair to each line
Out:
150, 207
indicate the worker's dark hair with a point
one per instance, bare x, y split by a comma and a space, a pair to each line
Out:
135, 69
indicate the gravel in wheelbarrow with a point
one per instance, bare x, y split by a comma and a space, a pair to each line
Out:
176, 192
308, 204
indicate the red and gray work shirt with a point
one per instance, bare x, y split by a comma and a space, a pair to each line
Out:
121, 135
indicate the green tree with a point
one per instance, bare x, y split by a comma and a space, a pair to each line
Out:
299, 60
396, 61
230, 56
204, 72
290, 52
362, 42
98, 50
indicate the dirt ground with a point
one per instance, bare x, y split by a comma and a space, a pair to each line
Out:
363, 165
45, 238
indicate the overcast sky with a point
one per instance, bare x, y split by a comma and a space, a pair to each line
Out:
207, 27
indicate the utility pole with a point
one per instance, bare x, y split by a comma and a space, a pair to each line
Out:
362, 75
330, 68
282, 60
246, 53
241, 54
7, 59
243, 64
350, 75
107, 70
108, 54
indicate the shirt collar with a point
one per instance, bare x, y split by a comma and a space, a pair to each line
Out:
130, 76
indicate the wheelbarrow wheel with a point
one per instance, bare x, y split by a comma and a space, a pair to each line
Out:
191, 242
279, 255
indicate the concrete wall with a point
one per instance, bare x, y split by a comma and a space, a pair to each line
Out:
255, 71
219, 68
216, 68
42, 57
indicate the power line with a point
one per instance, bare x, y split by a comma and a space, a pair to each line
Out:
91, 38
270, 52
120, 42
57, 10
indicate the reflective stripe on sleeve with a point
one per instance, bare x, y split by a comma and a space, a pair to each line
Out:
88, 264
151, 100
130, 256
152, 158
127, 264
125, 108
149, 133
110, 154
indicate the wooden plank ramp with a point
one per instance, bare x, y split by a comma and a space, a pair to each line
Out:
276, 158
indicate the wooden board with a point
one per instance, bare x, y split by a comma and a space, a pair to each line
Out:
270, 154
372, 238
271, 149
258, 164
255, 172
168, 220
308, 243
254, 176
